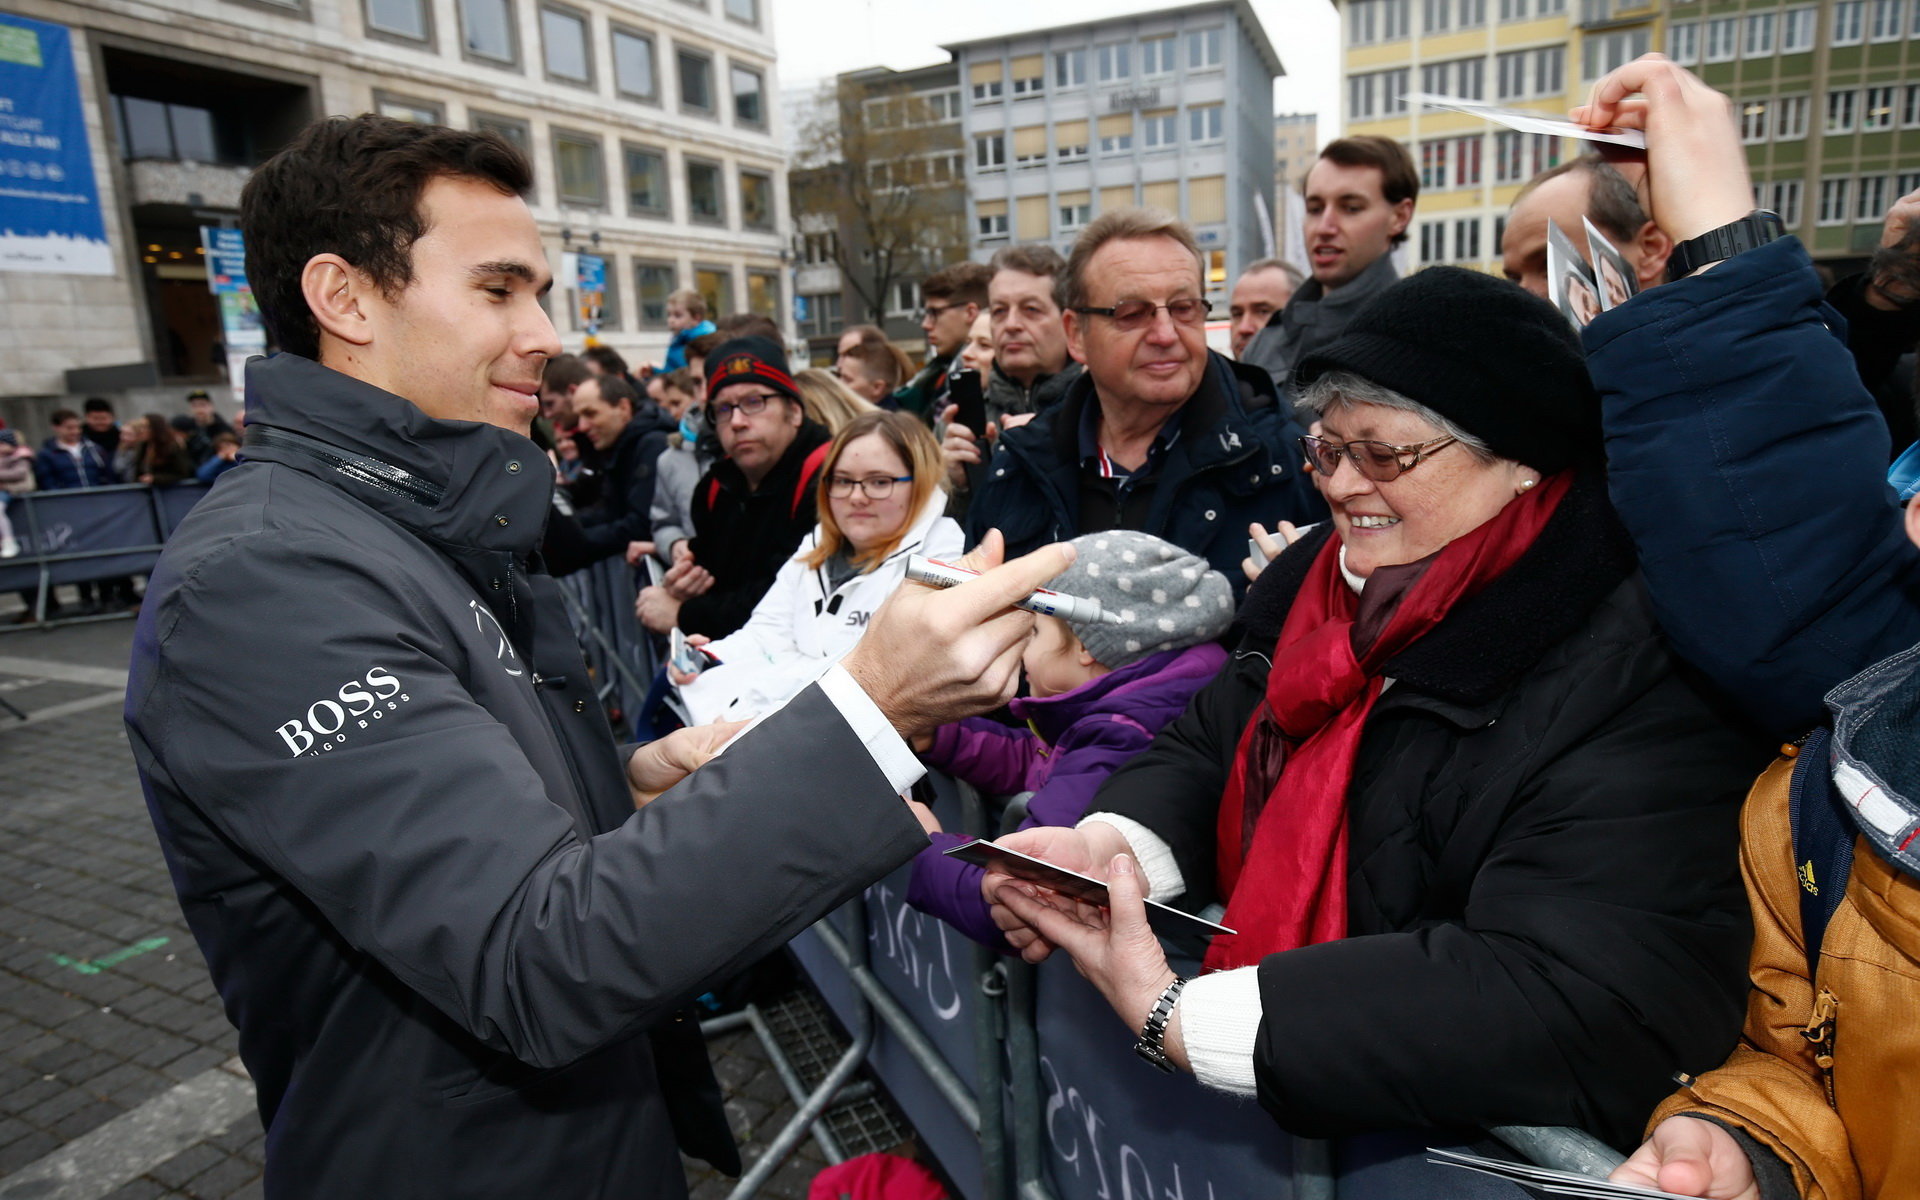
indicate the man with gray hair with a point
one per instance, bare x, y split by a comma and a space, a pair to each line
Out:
1261, 294
1159, 434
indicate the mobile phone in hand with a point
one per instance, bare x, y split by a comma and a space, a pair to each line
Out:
963, 389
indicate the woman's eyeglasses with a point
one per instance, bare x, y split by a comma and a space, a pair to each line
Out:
877, 488
1378, 461
1130, 315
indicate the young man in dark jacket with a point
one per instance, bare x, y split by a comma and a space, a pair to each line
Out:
630, 434
752, 507
392, 809
1160, 434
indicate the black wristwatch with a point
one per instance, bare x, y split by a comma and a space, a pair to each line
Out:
1149, 1046
1755, 229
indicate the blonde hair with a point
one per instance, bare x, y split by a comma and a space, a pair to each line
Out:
828, 401
692, 301
908, 437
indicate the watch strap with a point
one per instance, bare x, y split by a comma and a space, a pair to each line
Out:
1150, 1045
1755, 229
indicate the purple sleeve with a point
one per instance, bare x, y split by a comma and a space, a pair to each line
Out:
950, 889
992, 757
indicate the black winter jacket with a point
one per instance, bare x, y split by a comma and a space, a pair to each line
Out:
744, 536
401, 831
625, 511
1236, 461
1545, 912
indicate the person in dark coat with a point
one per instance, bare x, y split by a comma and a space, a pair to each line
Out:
67, 459
752, 507
630, 434
1160, 434
1473, 824
162, 458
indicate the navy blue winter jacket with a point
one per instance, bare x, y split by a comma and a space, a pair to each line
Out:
1235, 462
1749, 464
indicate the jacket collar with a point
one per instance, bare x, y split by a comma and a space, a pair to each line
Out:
1380, 275
460, 483
1875, 716
1159, 681
1213, 422
1490, 640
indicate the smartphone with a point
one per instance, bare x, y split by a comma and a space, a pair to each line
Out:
1259, 556
963, 389
686, 659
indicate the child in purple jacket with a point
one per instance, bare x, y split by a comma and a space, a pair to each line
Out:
1098, 694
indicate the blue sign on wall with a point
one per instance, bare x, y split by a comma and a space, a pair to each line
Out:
49, 204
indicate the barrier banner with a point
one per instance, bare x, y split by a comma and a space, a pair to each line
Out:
115, 531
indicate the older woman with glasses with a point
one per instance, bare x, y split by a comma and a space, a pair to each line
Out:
1472, 826
879, 501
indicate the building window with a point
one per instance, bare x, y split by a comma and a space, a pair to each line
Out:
1116, 133
1113, 62
1069, 68
576, 164
1466, 239
1075, 214
1722, 39
823, 314
1683, 43
633, 71
1833, 201
1434, 156
715, 285
1521, 156
1370, 21
749, 96
1203, 48
1204, 123
1790, 119
1159, 129
705, 202
756, 200
990, 218
1910, 110
1156, 55
1029, 75
988, 81
652, 283
1463, 77
905, 298
646, 182
1070, 141
1904, 184
517, 133
400, 108
763, 294
563, 38
747, 12
1841, 106
696, 80
1878, 112
1783, 197
1030, 145
1753, 121
1849, 19
399, 18
1759, 43
486, 29
990, 151
1871, 199
1523, 74
818, 249
1433, 242
1886, 20
152, 129
1604, 52
1796, 29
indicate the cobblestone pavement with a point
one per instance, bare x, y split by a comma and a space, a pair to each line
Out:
118, 1075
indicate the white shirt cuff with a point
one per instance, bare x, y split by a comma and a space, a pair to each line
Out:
890, 752
1219, 1023
1164, 881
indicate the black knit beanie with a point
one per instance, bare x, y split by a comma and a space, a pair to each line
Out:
749, 360
1497, 361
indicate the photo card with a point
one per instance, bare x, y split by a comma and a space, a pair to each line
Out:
1569, 280
1529, 121
1611, 271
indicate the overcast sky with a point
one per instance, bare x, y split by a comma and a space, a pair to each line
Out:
820, 38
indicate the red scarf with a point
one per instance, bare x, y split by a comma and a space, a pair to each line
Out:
1282, 836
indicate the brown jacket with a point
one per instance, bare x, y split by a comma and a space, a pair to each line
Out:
1827, 1073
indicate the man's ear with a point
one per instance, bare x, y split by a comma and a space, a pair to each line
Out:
1402, 217
336, 294
1076, 335
1656, 247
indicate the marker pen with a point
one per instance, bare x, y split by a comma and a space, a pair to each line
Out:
1047, 603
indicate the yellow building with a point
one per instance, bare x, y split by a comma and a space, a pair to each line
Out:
1535, 54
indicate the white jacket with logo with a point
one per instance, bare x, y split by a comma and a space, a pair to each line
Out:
802, 626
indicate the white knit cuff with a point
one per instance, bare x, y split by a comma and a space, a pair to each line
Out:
1150, 851
1219, 1022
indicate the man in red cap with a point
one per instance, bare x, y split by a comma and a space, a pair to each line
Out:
753, 506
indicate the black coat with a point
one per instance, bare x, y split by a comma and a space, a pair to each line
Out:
624, 513
1544, 908
745, 535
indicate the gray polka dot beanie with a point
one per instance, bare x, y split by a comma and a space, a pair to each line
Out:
1166, 598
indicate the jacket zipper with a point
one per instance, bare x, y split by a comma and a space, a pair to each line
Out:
1819, 1033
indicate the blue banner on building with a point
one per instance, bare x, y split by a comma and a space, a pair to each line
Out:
50, 218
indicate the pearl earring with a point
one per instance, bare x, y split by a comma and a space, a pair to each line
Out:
1526, 485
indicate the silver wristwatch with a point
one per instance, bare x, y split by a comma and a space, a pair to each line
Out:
1149, 1046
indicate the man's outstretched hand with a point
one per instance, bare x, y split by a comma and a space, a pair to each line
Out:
932, 656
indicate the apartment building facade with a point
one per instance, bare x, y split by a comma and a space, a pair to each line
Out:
1296, 147
1534, 54
1827, 107
1172, 109
650, 124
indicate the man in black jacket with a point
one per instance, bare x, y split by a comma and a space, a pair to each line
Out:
394, 814
752, 507
629, 433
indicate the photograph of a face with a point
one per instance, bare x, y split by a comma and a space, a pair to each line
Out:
1569, 281
1610, 268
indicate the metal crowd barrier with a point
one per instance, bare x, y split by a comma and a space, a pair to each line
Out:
620, 652
81, 535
